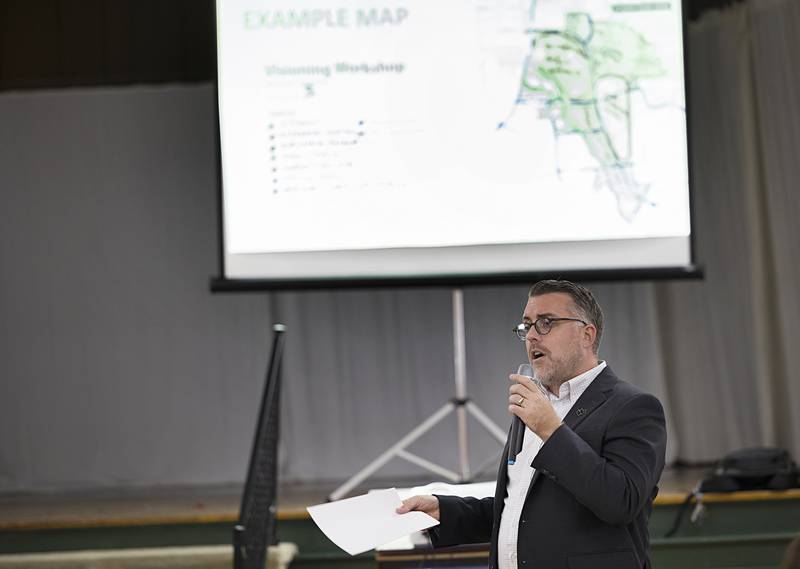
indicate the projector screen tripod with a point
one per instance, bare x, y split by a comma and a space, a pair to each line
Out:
461, 404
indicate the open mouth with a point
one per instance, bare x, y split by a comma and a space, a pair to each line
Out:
536, 354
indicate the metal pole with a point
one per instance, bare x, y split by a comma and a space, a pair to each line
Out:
460, 366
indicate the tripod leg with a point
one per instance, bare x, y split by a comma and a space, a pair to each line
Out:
428, 465
412, 436
487, 423
488, 465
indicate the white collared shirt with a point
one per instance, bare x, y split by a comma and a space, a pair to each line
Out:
521, 473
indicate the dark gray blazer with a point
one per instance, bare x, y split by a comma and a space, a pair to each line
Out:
592, 493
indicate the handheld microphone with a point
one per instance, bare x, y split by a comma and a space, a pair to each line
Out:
517, 426
515, 442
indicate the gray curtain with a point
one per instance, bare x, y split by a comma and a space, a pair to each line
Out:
119, 368
727, 339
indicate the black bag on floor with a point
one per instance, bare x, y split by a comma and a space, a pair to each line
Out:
761, 468
753, 469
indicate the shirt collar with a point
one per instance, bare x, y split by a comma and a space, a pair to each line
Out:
571, 390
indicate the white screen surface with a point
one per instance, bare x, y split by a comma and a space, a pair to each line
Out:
451, 137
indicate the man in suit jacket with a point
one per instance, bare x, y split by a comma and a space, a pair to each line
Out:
581, 491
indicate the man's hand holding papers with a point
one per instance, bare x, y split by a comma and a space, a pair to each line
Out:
366, 522
426, 504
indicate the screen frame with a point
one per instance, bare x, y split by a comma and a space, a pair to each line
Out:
223, 283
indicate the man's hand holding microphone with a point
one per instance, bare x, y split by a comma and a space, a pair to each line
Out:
530, 406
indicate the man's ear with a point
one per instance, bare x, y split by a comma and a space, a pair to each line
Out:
589, 334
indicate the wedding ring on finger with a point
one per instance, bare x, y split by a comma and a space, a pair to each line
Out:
521, 400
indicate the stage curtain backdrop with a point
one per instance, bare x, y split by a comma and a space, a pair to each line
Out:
119, 368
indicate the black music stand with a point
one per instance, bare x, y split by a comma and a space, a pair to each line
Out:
255, 530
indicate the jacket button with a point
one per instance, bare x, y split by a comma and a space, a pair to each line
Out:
523, 521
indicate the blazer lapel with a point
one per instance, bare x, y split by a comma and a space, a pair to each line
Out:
502, 480
595, 394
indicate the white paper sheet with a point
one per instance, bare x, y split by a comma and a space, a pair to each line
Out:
366, 522
418, 539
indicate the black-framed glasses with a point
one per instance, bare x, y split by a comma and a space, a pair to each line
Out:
542, 325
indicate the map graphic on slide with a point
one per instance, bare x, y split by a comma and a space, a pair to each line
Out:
582, 77
423, 124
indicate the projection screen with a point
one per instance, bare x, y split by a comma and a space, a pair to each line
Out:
366, 141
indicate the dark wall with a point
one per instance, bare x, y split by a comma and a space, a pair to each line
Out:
68, 43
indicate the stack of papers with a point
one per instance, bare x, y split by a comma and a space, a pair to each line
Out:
369, 521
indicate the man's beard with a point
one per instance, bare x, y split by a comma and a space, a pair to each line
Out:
563, 371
